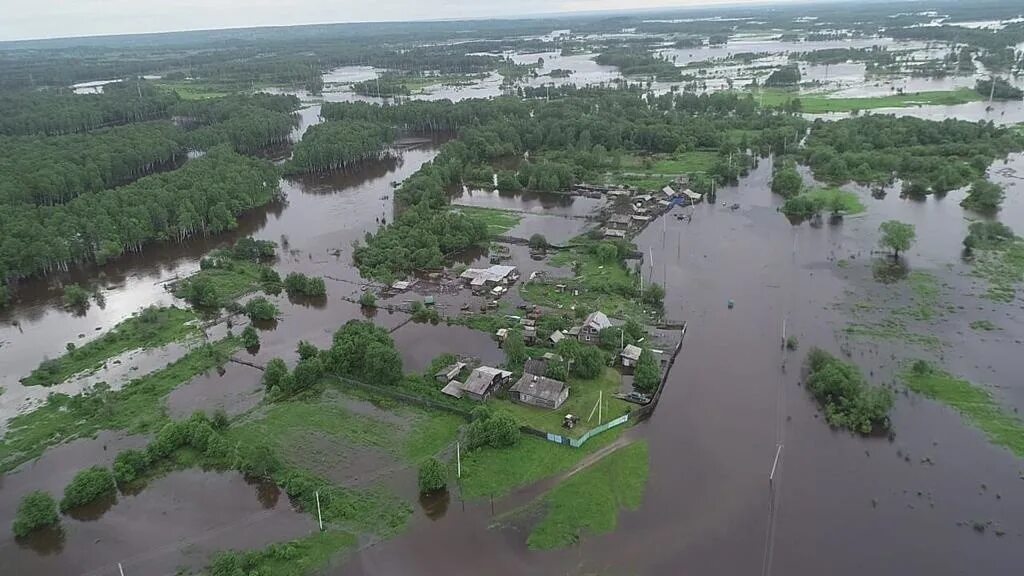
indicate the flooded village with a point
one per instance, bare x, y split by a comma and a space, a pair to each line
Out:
609, 372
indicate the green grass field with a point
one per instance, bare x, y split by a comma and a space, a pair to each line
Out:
589, 501
973, 402
820, 103
191, 90
849, 203
138, 408
498, 222
150, 328
652, 173
583, 395
496, 472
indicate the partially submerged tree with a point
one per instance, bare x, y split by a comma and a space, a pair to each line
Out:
647, 374
433, 476
897, 236
36, 510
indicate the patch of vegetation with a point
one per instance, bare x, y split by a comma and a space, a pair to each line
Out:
492, 428
498, 222
295, 558
485, 322
988, 235
423, 313
36, 510
250, 339
88, 486
894, 330
297, 284
137, 408
925, 290
984, 197
260, 308
496, 472
589, 502
368, 299
821, 104
151, 328
647, 375
813, 201
849, 402
432, 476
973, 402
76, 297
896, 236
984, 326
1003, 268
221, 279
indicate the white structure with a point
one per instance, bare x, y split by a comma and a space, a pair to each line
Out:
592, 326
497, 274
630, 356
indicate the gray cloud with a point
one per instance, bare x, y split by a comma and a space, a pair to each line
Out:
23, 19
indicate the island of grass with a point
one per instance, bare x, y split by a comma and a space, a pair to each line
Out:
137, 408
151, 328
589, 501
815, 200
973, 402
498, 222
821, 103
228, 274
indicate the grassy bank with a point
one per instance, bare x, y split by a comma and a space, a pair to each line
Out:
582, 400
652, 173
138, 408
498, 222
498, 471
973, 402
815, 200
151, 328
820, 103
589, 501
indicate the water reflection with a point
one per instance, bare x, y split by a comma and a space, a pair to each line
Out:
47, 541
94, 510
435, 504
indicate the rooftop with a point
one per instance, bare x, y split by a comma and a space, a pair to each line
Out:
495, 273
631, 352
539, 387
597, 321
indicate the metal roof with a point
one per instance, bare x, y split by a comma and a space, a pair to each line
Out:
539, 387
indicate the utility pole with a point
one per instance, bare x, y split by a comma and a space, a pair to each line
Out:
318, 515
458, 459
992, 89
120, 569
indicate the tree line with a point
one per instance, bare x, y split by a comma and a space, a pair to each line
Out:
203, 197
338, 145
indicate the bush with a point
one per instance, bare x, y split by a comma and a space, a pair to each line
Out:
270, 280
274, 374
250, 339
219, 421
297, 284
848, 401
423, 313
987, 235
87, 486
36, 510
306, 350
172, 436
129, 465
984, 196
647, 375
792, 343
498, 430
433, 476
76, 297
538, 242
258, 462
260, 309
368, 300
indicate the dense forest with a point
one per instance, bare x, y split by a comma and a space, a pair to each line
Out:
247, 123
338, 145
640, 62
203, 197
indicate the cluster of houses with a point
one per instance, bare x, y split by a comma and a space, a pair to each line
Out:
644, 207
532, 389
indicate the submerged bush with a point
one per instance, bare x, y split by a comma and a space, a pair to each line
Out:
433, 475
87, 486
36, 510
849, 402
129, 465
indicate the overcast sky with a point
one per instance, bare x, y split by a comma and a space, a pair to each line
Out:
24, 19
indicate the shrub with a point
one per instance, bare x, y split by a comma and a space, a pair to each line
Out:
848, 401
433, 476
76, 297
297, 284
250, 339
367, 300
129, 465
219, 421
647, 375
275, 372
987, 235
36, 510
498, 430
87, 486
258, 462
306, 350
260, 309
792, 343
172, 436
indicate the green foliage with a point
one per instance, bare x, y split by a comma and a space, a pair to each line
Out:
786, 181
366, 352
587, 362
1002, 90
36, 510
788, 76
368, 299
423, 313
640, 62
589, 501
250, 339
538, 242
813, 201
76, 297
984, 196
433, 475
306, 350
87, 486
896, 236
515, 351
496, 430
654, 295
249, 248
339, 145
848, 401
297, 284
647, 375
219, 421
129, 465
150, 328
260, 308
274, 374
792, 343
988, 235
270, 281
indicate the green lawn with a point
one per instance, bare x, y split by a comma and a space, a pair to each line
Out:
498, 222
583, 395
652, 173
317, 432
137, 408
191, 90
151, 328
820, 103
848, 202
230, 282
498, 471
973, 402
589, 501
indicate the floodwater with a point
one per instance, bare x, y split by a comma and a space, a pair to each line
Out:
908, 503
